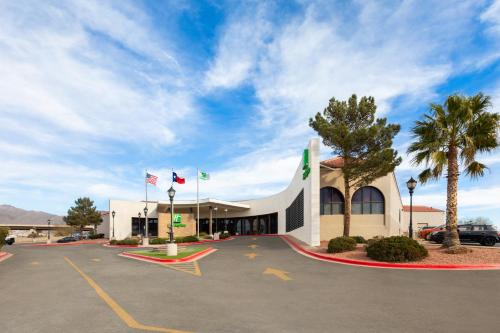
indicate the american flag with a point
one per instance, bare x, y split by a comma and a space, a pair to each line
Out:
151, 179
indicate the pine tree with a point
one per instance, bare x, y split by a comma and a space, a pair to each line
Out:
84, 213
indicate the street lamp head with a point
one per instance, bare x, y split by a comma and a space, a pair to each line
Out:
139, 214
411, 184
145, 211
171, 193
113, 213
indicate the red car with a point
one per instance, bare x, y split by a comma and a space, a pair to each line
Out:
425, 233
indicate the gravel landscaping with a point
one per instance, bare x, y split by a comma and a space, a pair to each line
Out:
437, 256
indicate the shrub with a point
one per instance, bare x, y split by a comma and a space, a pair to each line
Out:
158, 240
224, 235
186, 239
4, 232
341, 244
203, 234
359, 239
396, 249
96, 236
126, 241
206, 237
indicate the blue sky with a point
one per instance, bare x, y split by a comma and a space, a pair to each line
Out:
92, 93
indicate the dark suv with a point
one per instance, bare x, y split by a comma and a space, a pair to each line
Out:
484, 234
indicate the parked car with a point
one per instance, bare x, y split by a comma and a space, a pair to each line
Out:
483, 234
426, 232
67, 239
10, 239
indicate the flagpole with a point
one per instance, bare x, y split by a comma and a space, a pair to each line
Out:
198, 202
146, 210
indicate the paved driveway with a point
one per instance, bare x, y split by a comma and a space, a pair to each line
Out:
43, 292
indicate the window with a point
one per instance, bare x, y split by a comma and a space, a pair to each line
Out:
332, 201
295, 213
368, 200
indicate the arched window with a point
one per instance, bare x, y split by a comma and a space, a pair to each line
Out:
332, 201
368, 200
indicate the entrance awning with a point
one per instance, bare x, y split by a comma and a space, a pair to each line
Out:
205, 203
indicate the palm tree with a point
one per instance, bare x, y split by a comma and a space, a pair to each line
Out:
448, 138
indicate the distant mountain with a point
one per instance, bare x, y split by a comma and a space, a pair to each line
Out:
13, 215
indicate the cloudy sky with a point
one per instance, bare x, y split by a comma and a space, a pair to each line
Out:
94, 93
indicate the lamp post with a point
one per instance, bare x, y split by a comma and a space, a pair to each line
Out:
140, 229
145, 240
225, 220
216, 209
48, 232
171, 246
113, 213
411, 184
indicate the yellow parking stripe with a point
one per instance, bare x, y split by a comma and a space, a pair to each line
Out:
120, 312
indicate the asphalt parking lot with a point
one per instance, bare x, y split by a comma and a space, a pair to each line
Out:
248, 285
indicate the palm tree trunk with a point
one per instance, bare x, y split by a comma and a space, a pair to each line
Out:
451, 236
347, 207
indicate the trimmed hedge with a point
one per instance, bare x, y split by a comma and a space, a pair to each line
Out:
158, 240
359, 239
341, 244
4, 232
186, 239
96, 236
126, 241
396, 249
224, 235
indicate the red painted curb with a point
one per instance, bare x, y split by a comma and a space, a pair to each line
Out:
120, 246
5, 256
188, 258
299, 248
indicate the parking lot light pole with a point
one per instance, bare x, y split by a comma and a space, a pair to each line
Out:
140, 229
225, 220
113, 213
411, 184
145, 240
171, 246
48, 232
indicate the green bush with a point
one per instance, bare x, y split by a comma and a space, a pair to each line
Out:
4, 232
126, 241
396, 249
186, 239
224, 235
203, 234
96, 236
158, 240
341, 244
359, 239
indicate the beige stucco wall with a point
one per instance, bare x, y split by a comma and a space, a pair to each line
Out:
368, 226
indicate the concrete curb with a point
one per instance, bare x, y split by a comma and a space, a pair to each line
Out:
318, 256
190, 258
5, 256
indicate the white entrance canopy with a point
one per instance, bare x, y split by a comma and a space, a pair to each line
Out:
233, 206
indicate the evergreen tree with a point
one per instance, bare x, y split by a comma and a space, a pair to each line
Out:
363, 142
84, 213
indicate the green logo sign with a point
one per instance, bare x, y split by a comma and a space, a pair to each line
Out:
178, 221
306, 167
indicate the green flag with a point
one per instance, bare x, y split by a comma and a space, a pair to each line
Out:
204, 175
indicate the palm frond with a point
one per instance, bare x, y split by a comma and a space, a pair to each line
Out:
475, 169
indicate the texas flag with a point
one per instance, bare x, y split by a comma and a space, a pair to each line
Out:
177, 179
